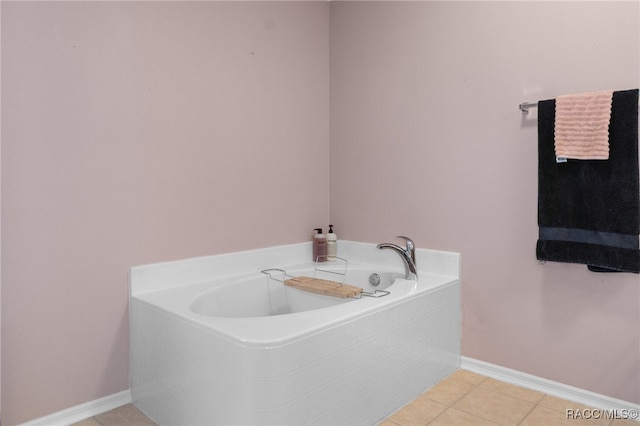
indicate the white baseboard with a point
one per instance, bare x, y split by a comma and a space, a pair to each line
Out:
549, 387
83, 411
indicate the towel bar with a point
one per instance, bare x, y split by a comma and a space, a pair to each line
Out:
524, 107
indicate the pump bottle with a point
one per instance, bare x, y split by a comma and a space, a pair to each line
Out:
319, 246
332, 244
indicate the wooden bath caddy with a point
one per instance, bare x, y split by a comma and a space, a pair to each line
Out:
327, 287
322, 286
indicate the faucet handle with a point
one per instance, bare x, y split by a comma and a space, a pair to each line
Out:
408, 240
411, 247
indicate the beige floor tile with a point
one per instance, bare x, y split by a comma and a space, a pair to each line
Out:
512, 390
468, 376
453, 417
88, 422
127, 415
449, 391
546, 416
562, 405
494, 406
418, 412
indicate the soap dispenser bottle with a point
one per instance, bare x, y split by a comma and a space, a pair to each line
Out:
319, 246
332, 244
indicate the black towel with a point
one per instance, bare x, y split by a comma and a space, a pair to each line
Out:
589, 210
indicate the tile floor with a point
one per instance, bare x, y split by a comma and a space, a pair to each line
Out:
469, 399
464, 399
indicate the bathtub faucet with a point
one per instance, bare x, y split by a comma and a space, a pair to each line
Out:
408, 255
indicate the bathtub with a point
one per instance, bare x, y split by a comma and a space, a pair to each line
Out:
216, 341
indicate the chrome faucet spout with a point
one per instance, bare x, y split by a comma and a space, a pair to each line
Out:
407, 254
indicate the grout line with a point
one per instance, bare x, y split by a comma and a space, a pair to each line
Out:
513, 396
476, 387
98, 420
451, 406
530, 411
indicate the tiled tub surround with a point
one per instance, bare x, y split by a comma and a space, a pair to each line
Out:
352, 363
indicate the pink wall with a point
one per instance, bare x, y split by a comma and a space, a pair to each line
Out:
142, 132
137, 132
427, 141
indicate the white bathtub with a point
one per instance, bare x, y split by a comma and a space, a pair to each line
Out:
214, 341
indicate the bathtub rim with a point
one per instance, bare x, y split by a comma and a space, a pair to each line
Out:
176, 273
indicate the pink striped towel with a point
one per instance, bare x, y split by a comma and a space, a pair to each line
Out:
582, 125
